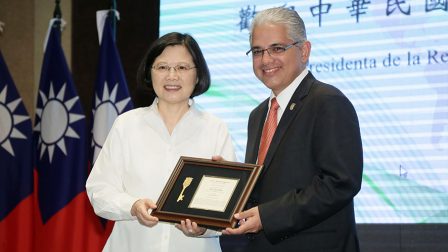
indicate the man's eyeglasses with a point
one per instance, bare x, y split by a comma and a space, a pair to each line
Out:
164, 68
275, 50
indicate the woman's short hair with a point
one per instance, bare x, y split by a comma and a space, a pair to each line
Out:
171, 39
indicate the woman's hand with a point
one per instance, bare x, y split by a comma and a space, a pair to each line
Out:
140, 209
190, 228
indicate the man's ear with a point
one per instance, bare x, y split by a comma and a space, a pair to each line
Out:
306, 51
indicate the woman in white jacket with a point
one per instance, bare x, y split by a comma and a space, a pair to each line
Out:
145, 144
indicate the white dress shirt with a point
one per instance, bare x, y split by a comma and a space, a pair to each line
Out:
136, 161
285, 96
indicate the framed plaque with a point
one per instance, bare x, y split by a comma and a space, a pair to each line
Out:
206, 192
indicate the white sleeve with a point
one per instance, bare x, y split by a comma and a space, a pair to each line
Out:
105, 185
224, 144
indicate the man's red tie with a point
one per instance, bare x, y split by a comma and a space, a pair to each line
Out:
268, 131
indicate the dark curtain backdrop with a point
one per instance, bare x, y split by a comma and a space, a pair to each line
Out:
137, 28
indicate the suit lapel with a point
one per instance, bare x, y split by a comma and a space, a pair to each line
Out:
291, 111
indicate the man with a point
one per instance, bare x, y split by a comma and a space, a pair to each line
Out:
303, 200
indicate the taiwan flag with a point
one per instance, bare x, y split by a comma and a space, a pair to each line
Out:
66, 221
111, 90
16, 169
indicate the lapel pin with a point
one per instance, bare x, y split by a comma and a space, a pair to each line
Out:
292, 106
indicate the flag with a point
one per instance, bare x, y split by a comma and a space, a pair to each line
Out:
16, 172
111, 91
66, 221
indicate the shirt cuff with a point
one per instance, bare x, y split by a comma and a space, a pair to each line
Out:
210, 233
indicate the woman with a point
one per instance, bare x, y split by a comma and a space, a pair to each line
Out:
145, 144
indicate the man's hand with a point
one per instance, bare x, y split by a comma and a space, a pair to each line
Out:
140, 210
217, 158
249, 221
190, 228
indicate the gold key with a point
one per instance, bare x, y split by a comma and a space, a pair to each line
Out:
186, 183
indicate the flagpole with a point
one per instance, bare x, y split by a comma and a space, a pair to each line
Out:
114, 18
57, 10
57, 13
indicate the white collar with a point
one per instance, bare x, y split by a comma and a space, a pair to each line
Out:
285, 96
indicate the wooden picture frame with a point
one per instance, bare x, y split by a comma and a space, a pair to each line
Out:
206, 192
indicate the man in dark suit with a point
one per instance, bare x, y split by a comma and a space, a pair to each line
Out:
303, 200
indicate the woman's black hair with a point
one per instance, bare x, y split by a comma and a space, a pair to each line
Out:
172, 39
